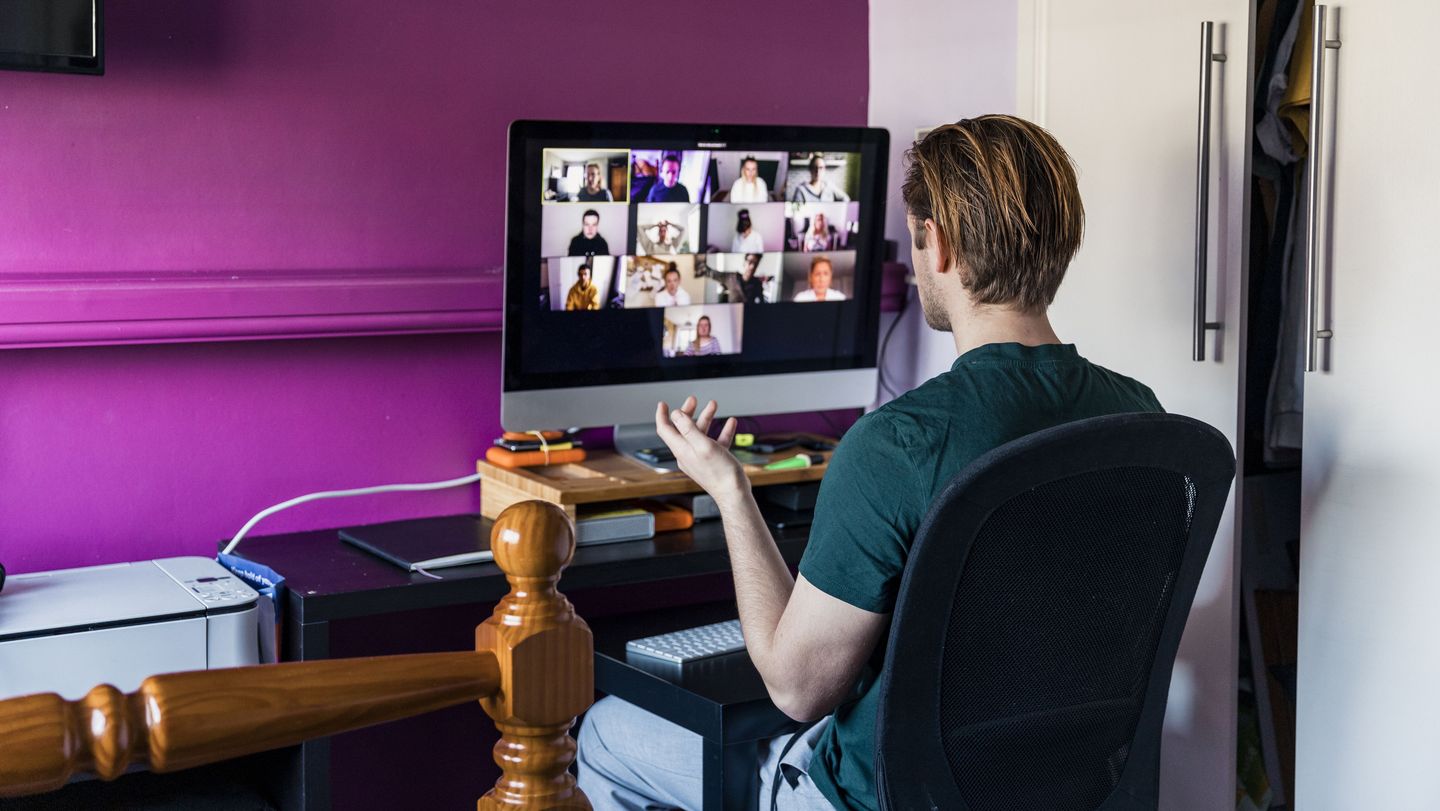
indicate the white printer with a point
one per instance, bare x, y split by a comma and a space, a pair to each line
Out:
69, 630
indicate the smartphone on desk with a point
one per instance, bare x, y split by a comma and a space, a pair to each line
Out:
655, 456
772, 444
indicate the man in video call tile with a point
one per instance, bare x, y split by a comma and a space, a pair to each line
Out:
672, 295
821, 272
589, 242
669, 189
583, 295
593, 191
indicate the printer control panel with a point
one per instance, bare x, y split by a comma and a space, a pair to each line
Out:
208, 582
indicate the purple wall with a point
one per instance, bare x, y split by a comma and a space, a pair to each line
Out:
301, 137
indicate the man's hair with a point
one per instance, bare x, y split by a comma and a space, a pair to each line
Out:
590, 212
1003, 195
821, 260
670, 156
584, 266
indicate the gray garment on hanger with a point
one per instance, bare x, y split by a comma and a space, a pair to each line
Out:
1271, 130
1285, 406
1285, 403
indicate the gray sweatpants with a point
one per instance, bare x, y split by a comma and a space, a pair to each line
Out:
633, 760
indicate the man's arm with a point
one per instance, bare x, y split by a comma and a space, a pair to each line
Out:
808, 646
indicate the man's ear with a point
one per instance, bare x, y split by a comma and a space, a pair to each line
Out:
935, 236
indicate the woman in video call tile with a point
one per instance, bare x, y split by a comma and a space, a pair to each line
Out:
589, 242
668, 188
673, 295
820, 273
668, 237
817, 190
747, 239
704, 343
583, 295
593, 191
749, 187
818, 237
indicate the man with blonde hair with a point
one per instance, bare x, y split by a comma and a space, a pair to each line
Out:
995, 217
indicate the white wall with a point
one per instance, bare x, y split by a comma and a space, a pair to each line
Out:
932, 62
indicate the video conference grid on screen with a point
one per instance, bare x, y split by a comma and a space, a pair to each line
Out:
700, 234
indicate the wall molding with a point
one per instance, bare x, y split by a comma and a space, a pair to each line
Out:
52, 310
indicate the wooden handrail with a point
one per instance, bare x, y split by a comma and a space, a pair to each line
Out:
180, 720
531, 669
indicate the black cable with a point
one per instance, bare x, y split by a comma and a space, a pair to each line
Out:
885, 343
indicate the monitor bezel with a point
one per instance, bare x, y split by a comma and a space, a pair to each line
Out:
64, 63
528, 135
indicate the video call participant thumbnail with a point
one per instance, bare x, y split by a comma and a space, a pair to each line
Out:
748, 178
662, 281
589, 242
820, 187
672, 294
666, 228
735, 228
815, 227
702, 330
661, 237
585, 175
578, 283
593, 191
752, 284
747, 238
668, 189
820, 280
749, 187
583, 295
664, 176
584, 230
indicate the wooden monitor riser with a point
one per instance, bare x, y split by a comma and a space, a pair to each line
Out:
608, 476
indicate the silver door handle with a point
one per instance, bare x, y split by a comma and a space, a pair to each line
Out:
1314, 163
1208, 57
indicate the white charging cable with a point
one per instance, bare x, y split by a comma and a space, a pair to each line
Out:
359, 491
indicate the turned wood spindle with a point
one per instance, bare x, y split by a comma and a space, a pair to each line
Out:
546, 666
180, 720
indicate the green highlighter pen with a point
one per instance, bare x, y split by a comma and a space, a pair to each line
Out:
798, 460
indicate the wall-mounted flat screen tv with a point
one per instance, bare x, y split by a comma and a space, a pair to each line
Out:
65, 36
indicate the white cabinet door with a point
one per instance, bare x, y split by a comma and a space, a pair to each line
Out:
1368, 725
1118, 83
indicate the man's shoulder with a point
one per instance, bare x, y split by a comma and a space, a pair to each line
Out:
1125, 385
892, 424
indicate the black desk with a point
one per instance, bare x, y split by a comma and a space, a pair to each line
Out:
721, 699
342, 602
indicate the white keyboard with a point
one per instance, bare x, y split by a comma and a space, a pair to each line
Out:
690, 644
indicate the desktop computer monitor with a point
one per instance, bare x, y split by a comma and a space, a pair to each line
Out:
645, 262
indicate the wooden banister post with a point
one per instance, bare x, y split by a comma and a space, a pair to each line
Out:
545, 653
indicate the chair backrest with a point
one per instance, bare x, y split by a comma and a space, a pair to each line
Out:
1039, 615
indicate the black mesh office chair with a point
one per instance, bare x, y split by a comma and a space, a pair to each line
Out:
1068, 560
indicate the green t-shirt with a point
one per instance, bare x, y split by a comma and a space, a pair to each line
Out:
888, 469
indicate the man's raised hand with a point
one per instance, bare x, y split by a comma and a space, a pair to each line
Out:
707, 461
